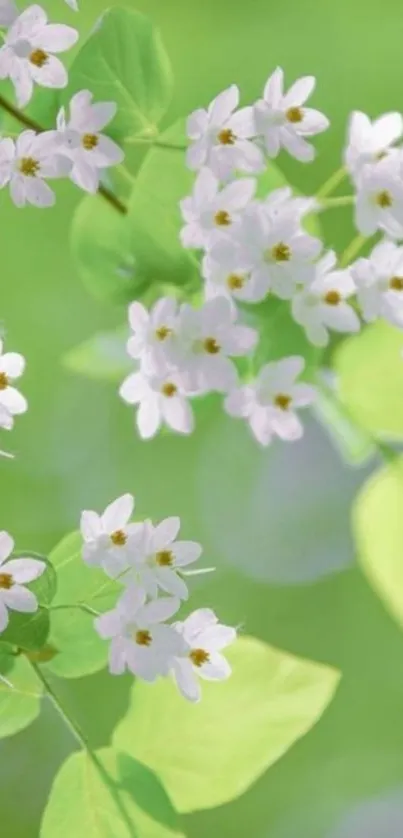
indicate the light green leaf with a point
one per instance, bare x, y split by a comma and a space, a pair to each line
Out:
124, 61
378, 530
30, 631
101, 248
19, 703
280, 335
210, 753
81, 803
155, 219
370, 370
102, 357
80, 650
353, 443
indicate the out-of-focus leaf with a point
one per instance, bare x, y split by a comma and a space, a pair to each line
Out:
102, 357
20, 702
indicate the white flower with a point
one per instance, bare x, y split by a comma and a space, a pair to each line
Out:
110, 541
225, 278
273, 248
379, 201
161, 559
8, 12
368, 142
323, 305
161, 399
80, 137
222, 138
205, 639
140, 641
153, 332
14, 574
12, 403
379, 283
27, 54
269, 403
206, 338
283, 121
211, 210
26, 163
283, 202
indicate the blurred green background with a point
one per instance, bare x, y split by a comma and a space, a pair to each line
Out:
276, 523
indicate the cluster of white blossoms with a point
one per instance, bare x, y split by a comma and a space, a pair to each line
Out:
148, 560
12, 402
14, 575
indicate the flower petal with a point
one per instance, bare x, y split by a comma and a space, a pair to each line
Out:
186, 679
6, 545
20, 599
117, 514
165, 533
223, 105
25, 570
186, 552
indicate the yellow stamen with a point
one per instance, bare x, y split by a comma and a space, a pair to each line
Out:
4, 382
282, 401
6, 581
164, 558
281, 252
211, 346
383, 199
235, 282
199, 657
332, 298
38, 57
294, 115
28, 166
396, 283
226, 137
222, 218
163, 332
89, 141
143, 637
119, 538
168, 389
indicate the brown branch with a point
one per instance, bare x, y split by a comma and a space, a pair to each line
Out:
28, 122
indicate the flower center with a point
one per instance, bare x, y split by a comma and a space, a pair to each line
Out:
383, 199
28, 166
6, 581
38, 57
281, 252
226, 137
4, 382
89, 141
235, 282
119, 538
199, 657
222, 218
396, 283
211, 346
163, 332
294, 115
169, 389
143, 637
332, 298
282, 400
164, 558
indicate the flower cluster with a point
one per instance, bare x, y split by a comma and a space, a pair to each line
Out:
14, 575
12, 402
149, 560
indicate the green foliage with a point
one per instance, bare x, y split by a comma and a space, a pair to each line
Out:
83, 803
378, 528
30, 631
155, 219
352, 443
124, 61
210, 753
80, 650
19, 703
370, 369
102, 357
280, 335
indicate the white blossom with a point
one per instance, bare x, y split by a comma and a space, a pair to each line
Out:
27, 56
323, 303
284, 121
379, 283
153, 332
161, 559
368, 142
161, 399
210, 210
110, 541
140, 640
14, 575
225, 278
89, 150
379, 200
205, 639
269, 404
207, 337
221, 137
26, 164
12, 402
8, 12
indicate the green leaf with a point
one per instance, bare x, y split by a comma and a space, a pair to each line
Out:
370, 370
280, 335
209, 753
154, 216
378, 530
101, 248
102, 357
353, 443
81, 803
30, 631
80, 650
19, 703
124, 61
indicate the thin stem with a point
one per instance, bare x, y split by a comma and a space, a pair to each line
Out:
330, 203
26, 120
332, 183
154, 141
353, 248
83, 742
81, 605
